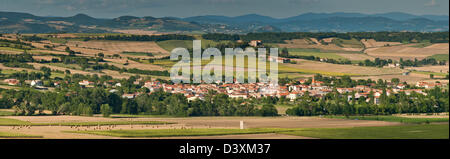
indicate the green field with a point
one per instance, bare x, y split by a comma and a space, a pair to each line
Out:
15, 122
303, 50
319, 54
440, 57
138, 53
169, 45
10, 49
427, 131
181, 132
422, 45
392, 119
354, 43
429, 73
140, 116
6, 113
17, 135
57, 40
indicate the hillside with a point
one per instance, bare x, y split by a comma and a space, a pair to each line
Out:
12, 22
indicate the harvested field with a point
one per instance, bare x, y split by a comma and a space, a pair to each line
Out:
356, 56
441, 46
191, 122
439, 69
407, 52
49, 52
137, 32
336, 68
269, 122
133, 64
411, 79
114, 74
116, 47
442, 115
48, 58
245, 136
371, 43
302, 43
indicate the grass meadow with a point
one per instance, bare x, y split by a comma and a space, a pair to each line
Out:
392, 119
15, 122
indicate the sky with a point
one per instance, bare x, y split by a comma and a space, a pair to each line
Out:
187, 8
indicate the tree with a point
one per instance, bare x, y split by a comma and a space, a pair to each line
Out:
431, 76
395, 80
105, 110
284, 52
268, 110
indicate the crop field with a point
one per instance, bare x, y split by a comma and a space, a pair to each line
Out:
334, 69
371, 43
17, 135
181, 132
169, 45
313, 43
393, 119
151, 126
116, 47
144, 126
440, 57
349, 45
428, 131
319, 54
407, 52
356, 56
428, 73
6, 113
114, 74
15, 122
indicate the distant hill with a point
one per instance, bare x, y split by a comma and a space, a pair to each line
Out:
12, 22
336, 22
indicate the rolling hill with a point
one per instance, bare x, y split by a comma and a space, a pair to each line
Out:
13, 22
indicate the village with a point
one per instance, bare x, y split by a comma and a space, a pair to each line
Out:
249, 90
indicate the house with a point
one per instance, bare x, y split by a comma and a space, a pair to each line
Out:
36, 83
86, 83
255, 43
401, 86
129, 96
11, 82
278, 59
392, 65
238, 95
293, 95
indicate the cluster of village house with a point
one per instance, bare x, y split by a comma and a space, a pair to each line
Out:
254, 90
292, 92
251, 90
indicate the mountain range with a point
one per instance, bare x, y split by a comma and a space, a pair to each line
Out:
13, 22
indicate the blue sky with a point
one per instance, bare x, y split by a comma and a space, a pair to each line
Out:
186, 8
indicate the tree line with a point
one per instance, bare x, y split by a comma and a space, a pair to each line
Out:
91, 101
280, 37
435, 101
144, 37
